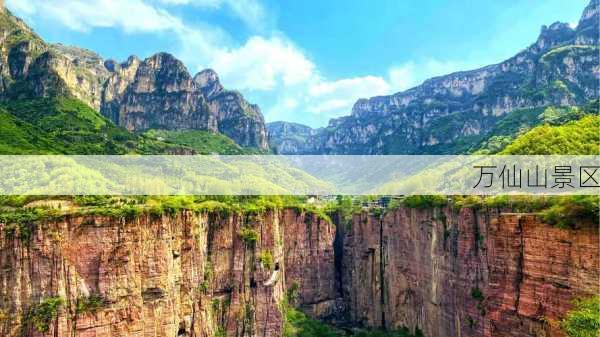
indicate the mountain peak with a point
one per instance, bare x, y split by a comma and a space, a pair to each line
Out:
556, 34
590, 10
587, 29
209, 83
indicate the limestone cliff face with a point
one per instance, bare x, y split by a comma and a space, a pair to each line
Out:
446, 272
293, 138
561, 68
157, 92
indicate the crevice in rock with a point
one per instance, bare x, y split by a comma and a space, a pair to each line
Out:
381, 272
520, 262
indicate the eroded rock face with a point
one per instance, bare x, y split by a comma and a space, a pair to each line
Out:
444, 272
293, 138
189, 275
157, 92
467, 273
561, 68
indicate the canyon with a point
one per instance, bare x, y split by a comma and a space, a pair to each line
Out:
440, 272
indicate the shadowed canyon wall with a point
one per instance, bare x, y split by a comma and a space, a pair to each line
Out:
441, 271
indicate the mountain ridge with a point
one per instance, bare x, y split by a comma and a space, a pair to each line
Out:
157, 92
560, 68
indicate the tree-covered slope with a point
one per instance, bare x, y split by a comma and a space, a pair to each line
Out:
63, 125
521, 121
580, 137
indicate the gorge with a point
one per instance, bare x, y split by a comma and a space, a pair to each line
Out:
439, 271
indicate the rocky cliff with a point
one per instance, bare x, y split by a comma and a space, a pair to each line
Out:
441, 271
466, 273
157, 92
561, 68
293, 138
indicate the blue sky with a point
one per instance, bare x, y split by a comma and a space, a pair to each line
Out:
304, 61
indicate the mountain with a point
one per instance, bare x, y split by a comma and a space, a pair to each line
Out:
292, 138
159, 93
581, 137
155, 93
451, 113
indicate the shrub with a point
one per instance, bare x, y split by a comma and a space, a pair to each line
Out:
425, 201
266, 259
90, 304
477, 294
42, 314
567, 211
248, 235
221, 332
584, 319
292, 293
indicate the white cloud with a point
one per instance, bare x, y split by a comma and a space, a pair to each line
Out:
337, 97
402, 77
263, 64
81, 15
269, 67
251, 12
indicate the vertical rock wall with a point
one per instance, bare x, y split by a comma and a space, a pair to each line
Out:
466, 273
443, 272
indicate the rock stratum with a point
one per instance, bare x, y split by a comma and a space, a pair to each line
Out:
448, 113
441, 271
157, 92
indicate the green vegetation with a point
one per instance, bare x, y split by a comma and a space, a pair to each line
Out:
203, 142
15, 210
425, 201
506, 128
42, 314
574, 138
298, 324
63, 125
248, 235
90, 304
266, 259
562, 211
584, 319
221, 332
16, 32
477, 294
518, 122
566, 212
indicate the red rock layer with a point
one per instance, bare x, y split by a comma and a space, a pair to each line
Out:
447, 273
188, 275
467, 273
